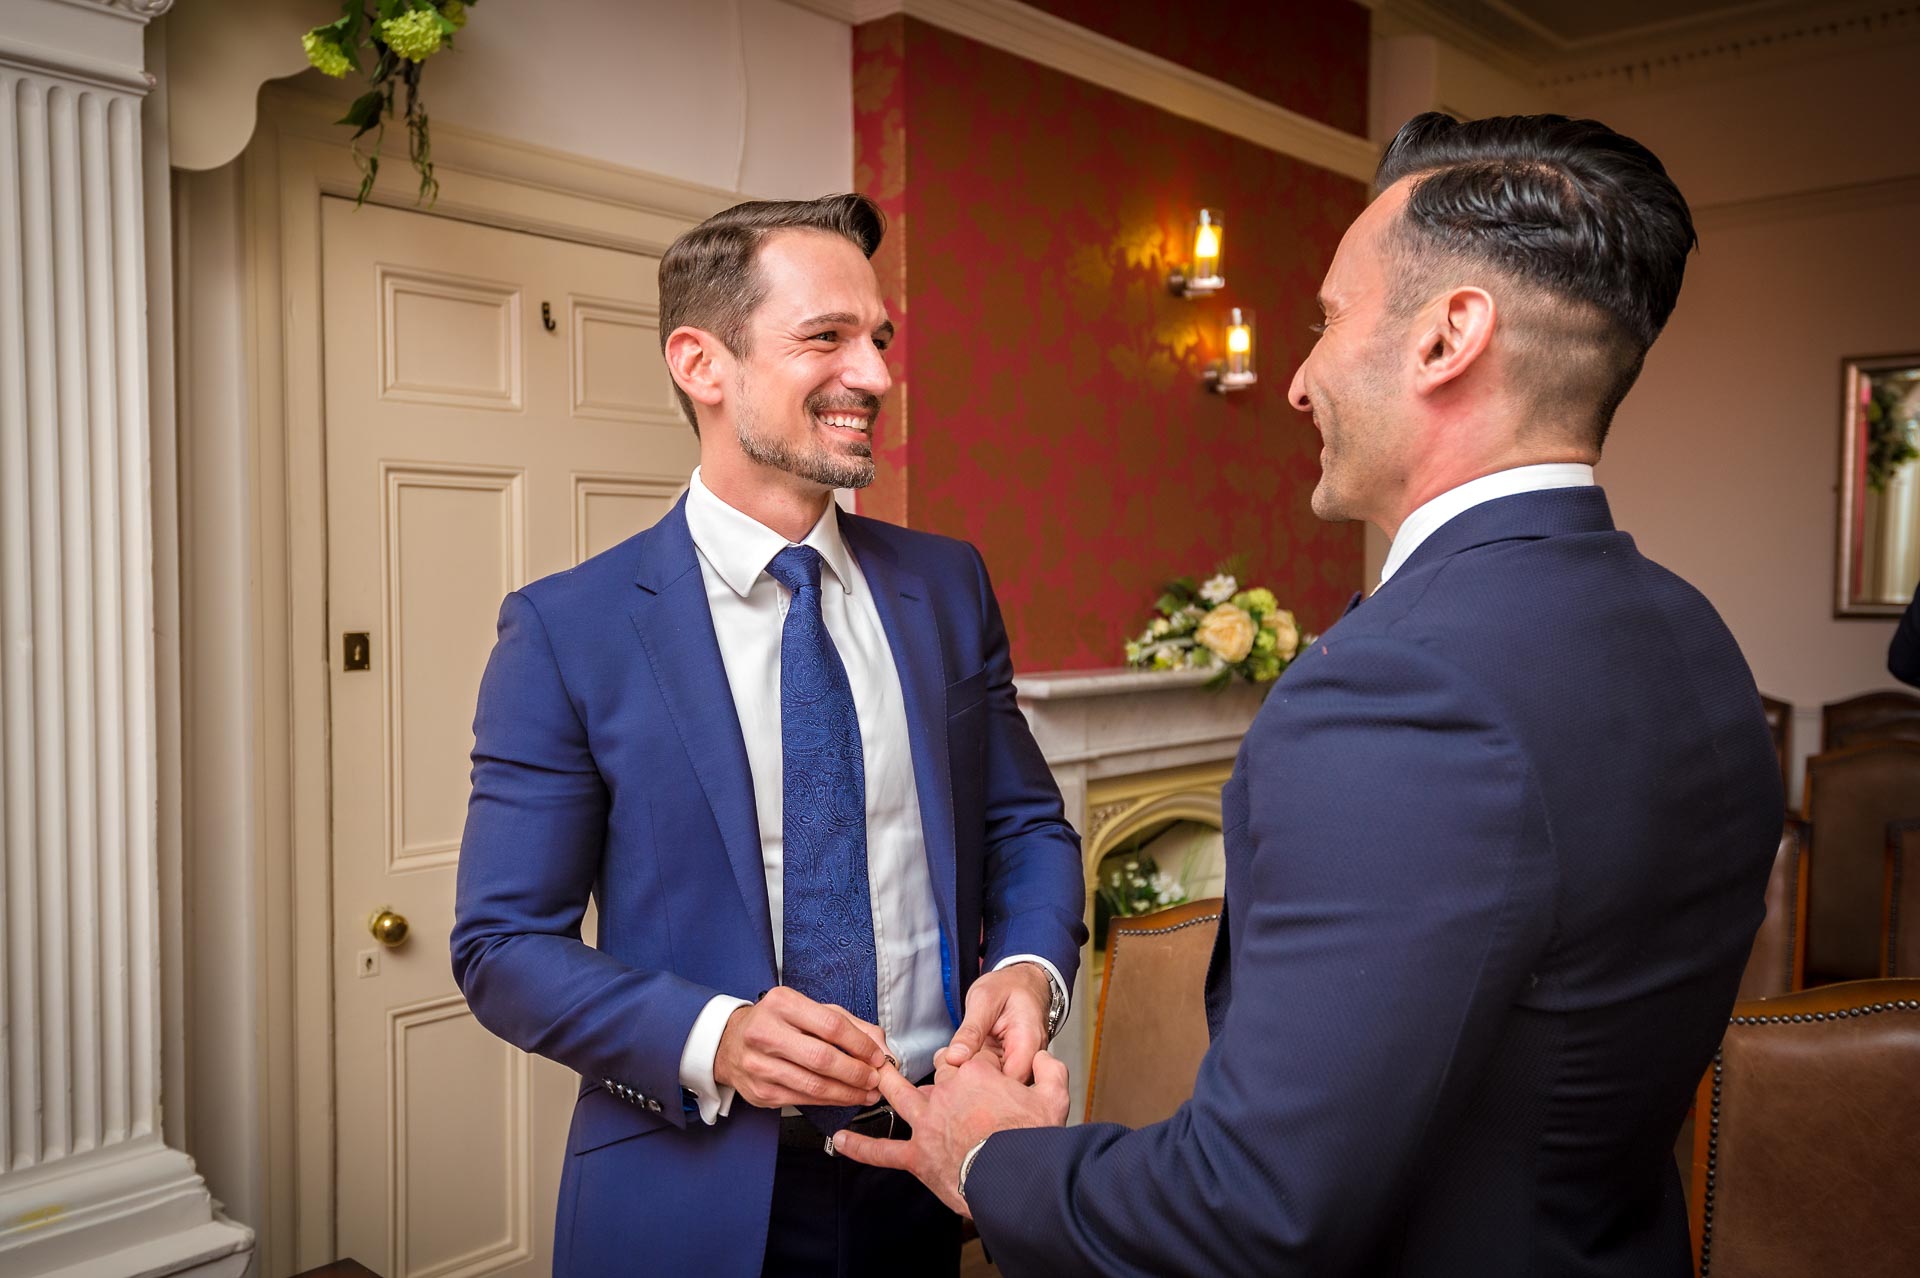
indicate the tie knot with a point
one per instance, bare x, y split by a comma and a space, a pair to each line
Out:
796, 566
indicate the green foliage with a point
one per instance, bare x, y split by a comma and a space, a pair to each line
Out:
401, 35
1890, 431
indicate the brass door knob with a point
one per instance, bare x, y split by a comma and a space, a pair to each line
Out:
388, 928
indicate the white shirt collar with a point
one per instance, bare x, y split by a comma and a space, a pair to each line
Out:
1430, 517
739, 547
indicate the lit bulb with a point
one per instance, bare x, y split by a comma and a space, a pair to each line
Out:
1239, 339
1206, 244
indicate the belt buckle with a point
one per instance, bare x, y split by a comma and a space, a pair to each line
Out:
875, 1112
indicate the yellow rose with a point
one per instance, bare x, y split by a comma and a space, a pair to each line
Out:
1286, 630
1228, 632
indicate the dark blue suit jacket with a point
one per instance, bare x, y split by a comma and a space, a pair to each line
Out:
1496, 851
609, 760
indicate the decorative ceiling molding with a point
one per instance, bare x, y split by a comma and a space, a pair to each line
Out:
1723, 41
1063, 46
1851, 197
142, 11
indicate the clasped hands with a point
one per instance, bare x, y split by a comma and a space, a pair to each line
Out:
994, 1074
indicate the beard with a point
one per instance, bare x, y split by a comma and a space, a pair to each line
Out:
1355, 432
813, 461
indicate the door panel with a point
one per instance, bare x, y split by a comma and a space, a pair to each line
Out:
470, 448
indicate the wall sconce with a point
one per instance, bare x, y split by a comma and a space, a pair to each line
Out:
1235, 372
1201, 276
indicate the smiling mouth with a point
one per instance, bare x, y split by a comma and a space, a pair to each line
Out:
857, 423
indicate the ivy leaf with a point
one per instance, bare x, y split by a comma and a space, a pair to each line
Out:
364, 114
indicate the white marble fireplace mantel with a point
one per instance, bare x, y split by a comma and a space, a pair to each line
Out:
1129, 748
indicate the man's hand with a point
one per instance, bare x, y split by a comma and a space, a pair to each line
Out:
789, 1050
1007, 1012
968, 1104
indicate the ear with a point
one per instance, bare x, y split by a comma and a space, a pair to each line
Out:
1457, 333
699, 364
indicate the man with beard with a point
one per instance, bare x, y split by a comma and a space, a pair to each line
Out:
778, 746
1497, 843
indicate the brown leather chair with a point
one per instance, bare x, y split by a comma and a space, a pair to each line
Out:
1852, 794
1778, 963
1152, 1026
1808, 1167
1902, 911
1874, 716
1780, 724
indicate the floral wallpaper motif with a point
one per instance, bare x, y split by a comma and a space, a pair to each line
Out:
1058, 420
1308, 56
880, 171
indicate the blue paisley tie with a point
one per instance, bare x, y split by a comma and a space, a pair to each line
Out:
827, 916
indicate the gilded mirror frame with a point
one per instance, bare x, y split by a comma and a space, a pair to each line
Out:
1878, 534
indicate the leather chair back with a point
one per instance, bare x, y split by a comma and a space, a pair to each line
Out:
1903, 900
1874, 716
1152, 1027
1852, 794
1778, 962
1780, 724
1809, 1168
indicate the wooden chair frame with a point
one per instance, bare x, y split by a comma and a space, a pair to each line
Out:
1890, 919
1864, 703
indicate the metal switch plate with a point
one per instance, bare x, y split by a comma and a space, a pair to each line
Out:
356, 650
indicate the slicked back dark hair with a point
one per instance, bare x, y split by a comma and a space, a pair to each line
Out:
1583, 219
710, 277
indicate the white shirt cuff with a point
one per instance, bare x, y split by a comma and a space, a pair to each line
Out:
1052, 971
696, 1058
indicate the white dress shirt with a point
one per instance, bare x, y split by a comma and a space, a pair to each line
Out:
749, 613
1431, 516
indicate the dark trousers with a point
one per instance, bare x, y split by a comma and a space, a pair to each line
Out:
835, 1218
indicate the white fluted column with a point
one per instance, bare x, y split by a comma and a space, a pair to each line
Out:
87, 1186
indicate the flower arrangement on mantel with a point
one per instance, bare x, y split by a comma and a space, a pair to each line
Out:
400, 35
1215, 625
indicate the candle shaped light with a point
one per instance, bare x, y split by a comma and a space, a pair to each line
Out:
1206, 250
1201, 276
1236, 371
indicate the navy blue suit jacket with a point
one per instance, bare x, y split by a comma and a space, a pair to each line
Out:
608, 759
1496, 851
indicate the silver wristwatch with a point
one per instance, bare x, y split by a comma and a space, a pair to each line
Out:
1056, 1004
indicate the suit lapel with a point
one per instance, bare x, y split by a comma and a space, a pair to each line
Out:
913, 635
675, 626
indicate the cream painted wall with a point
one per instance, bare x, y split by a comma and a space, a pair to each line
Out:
739, 95
1724, 460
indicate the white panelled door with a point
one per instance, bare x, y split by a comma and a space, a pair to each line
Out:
496, 410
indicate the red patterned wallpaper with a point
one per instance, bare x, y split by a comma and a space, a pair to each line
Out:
1309, 56
1052, 413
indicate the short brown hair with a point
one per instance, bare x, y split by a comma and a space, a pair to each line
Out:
710, 277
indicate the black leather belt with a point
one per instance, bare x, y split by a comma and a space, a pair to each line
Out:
798, 1132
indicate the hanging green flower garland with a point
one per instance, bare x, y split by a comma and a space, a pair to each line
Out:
401, 34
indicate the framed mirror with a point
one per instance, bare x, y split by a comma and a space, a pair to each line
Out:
1879, 486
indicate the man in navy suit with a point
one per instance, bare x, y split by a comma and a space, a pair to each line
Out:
1496, 844
778, 745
